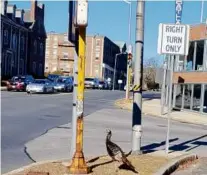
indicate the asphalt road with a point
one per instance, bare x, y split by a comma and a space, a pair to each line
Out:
25, 117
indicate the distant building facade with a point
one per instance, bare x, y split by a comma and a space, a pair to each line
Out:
100, 56
59, 54
18, 36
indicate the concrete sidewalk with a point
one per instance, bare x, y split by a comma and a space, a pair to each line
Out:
152, 107
55, 143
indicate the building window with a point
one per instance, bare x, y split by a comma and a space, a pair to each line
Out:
97, 55
55, 52
21, 67
41, 49
65, 55
54, 46
40, 69
97, 42
34, 67
14, 41
35, 46
22, 43
6, 36
55, 38
65, 38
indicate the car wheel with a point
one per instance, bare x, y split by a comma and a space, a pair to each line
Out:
53, 90
28, 92
8, 89
44, 90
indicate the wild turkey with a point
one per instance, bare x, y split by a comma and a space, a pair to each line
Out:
116, 153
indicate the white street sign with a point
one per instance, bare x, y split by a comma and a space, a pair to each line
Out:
120, 81
173, 39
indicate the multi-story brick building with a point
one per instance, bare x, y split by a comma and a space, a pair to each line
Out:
17, 47
100, 56
59, 54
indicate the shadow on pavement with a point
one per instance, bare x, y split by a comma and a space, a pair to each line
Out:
184, 147
152, 147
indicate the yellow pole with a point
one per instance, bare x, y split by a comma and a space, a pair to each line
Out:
78, 165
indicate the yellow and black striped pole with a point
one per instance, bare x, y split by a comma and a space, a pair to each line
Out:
78, 165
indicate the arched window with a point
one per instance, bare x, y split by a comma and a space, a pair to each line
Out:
5, 36
14, 41
22, 43
41, 49
35, 46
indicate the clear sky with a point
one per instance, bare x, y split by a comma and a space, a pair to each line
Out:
110, 18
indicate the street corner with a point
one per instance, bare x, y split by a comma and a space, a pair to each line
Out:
124, 103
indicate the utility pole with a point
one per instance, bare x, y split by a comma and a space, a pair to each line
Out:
78, 165
138, 73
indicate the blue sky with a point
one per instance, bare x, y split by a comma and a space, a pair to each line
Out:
110, 18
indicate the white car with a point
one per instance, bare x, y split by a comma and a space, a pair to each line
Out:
40, 86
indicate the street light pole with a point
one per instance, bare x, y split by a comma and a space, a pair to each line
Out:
114, 77
202, 5
129, 42
138, 73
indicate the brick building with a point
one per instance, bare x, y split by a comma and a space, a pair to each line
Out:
20, 31
59, 54
100, 56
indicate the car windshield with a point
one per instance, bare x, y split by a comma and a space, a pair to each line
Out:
18, 78
89, 79
63, 80
41, 81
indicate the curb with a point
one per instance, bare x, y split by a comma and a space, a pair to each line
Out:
47, 161
173, 165
153, 115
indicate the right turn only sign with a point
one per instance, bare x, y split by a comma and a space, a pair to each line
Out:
173, 39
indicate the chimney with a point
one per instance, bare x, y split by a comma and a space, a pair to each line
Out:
4, 6
33, 9
19, 15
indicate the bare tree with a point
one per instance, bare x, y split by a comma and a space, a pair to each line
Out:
149, 72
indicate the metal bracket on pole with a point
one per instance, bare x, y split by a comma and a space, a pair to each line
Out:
74, 117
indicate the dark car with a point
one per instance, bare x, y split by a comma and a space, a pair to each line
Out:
19, 83
53, 77
64, 84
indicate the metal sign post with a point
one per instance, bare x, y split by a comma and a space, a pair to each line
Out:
173, 40
169, 103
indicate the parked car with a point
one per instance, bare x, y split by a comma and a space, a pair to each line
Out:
102, 85
92, 83
19, 83
41, 86
53, 77
64, 84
